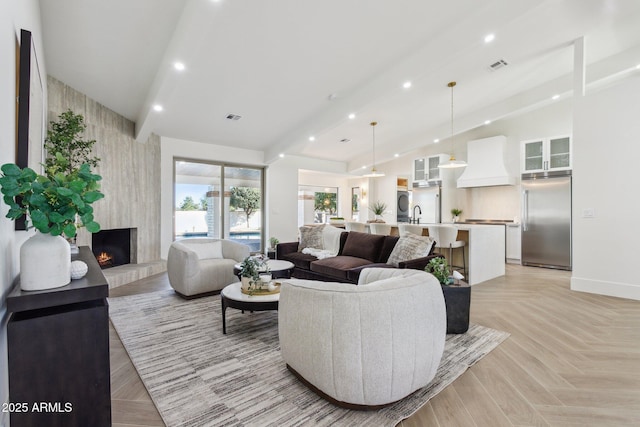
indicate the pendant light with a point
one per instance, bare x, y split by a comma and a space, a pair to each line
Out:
452, 163
374, 173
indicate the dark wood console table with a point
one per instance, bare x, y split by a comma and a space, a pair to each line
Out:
58, 351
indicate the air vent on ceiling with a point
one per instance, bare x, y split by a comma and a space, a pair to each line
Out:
345, 140
500, 63
233, 117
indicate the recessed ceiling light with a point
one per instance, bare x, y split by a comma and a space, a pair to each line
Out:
489, 38
352, 116
312, 138
406, 85
487, 122
396, 155
436, 140
281, 155
364, 167
638, 67
157, 107
554, 97
178, 66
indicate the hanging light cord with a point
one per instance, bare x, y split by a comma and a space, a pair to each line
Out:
451, 85
373, 129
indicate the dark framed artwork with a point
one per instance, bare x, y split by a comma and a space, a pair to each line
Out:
30, 109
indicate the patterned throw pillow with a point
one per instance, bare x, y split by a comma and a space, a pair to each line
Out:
311, 237
410, 246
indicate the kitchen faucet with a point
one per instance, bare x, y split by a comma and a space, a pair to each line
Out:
414, 219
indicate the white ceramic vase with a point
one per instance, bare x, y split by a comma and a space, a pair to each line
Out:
45, 262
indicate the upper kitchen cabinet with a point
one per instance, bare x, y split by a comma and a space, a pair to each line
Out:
546, 154
426, 169
420, 171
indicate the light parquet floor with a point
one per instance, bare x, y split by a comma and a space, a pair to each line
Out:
573, 359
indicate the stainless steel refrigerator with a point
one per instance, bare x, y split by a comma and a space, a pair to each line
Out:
546, 219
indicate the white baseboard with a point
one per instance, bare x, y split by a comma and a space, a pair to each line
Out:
613, 289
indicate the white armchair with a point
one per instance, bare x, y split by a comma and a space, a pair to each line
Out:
203, 266
364, 346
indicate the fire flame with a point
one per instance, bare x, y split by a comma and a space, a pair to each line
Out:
104, 259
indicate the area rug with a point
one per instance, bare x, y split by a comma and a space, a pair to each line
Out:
197, 376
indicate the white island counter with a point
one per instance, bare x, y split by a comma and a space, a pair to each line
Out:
484, 250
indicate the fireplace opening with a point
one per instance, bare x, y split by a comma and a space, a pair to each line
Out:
112, 247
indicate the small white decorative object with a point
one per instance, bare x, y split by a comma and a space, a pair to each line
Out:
45, 262
457, 275
78, 269
271, 287
265, 278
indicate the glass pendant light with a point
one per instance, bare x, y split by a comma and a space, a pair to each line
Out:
452, 163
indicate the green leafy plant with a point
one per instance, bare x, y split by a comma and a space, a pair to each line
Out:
440, 269
65, 137
273, 242
378, 208
52, 202
250, 267
456, 212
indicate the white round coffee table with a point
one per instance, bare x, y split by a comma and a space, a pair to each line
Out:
232, 296
279, 268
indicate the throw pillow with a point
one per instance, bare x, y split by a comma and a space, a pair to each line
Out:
410, 246
363, 245
311, 237
331, 239
208, 250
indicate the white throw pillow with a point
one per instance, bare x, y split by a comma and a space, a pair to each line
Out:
331, 239
410, 246
210, 250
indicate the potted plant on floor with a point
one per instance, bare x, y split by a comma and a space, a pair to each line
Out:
55, 204
457, 298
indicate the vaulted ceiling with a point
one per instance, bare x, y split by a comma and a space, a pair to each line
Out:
293, 69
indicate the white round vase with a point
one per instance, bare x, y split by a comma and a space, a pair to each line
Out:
45, 262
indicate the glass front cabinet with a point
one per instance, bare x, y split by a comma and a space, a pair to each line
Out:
426, 168
420, 172
546, 154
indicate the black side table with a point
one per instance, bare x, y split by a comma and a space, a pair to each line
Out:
457, 299
58, 352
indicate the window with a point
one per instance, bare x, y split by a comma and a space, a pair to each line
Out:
317, 204
219, 201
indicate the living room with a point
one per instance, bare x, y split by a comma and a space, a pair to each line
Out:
138, 176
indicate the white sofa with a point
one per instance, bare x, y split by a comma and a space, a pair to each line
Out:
364, 346
203, 266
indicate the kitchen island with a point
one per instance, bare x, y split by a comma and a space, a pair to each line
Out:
484, 250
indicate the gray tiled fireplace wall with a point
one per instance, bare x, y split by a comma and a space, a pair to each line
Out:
130, 170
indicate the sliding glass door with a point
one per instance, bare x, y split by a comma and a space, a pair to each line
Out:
219, 200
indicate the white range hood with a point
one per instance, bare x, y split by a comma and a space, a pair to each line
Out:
486, 164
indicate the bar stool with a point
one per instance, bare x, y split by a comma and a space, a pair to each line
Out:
380, 228
410, 228
445, 236
355, 226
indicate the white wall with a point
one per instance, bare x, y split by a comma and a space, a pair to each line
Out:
16, 15
606, 148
